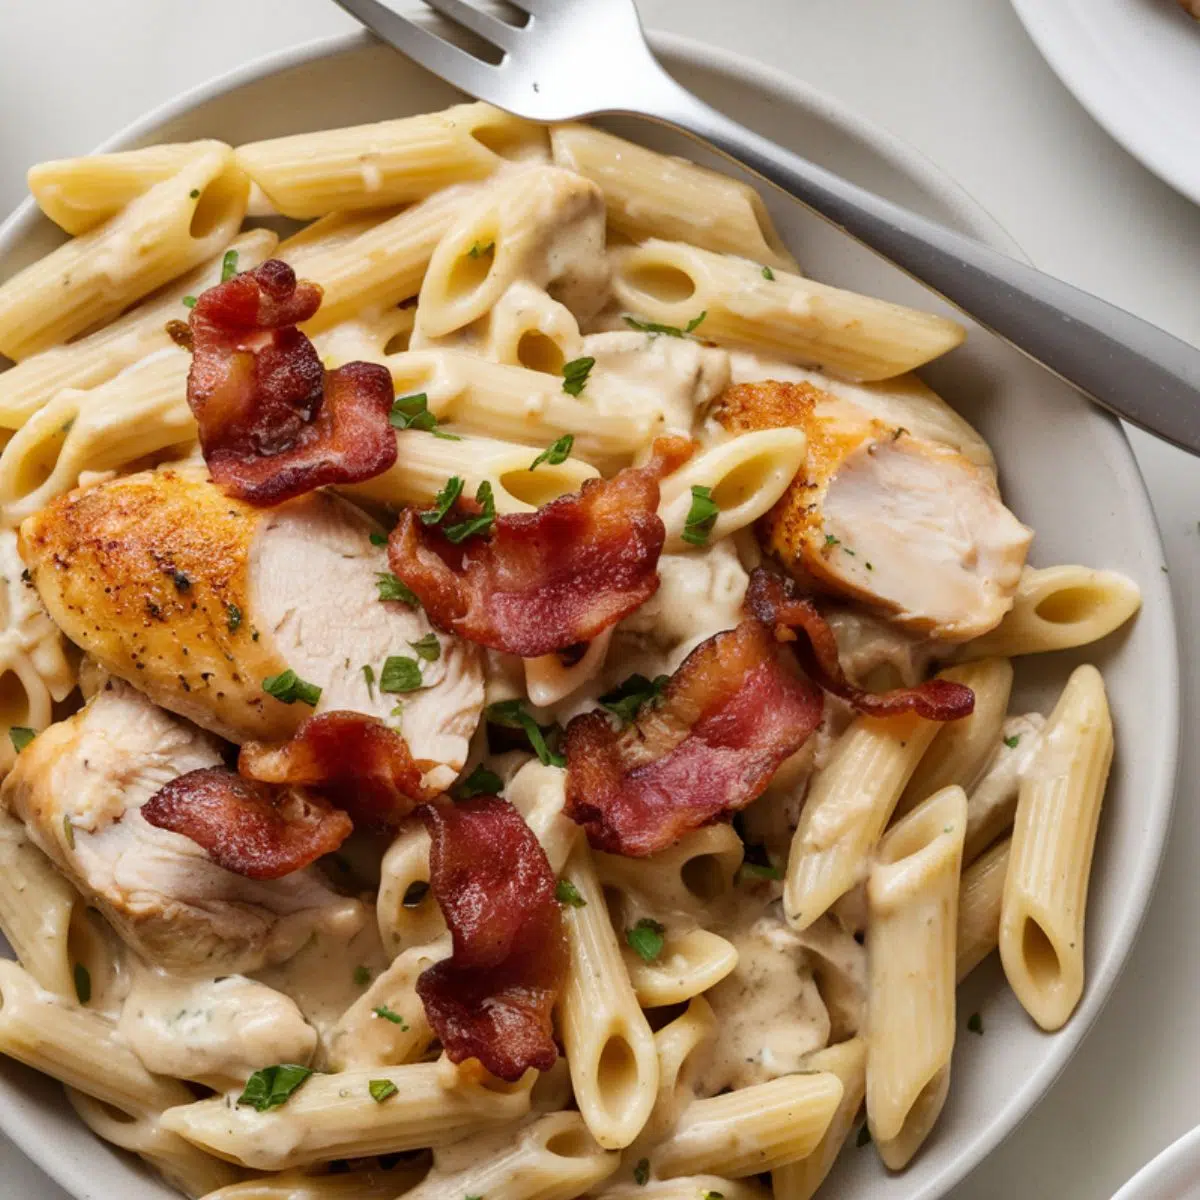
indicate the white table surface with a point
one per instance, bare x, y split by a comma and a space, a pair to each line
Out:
959, 80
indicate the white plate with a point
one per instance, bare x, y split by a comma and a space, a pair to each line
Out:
1173, 1175
1135, 66
1067, 470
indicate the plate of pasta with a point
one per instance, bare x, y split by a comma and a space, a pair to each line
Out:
516, 687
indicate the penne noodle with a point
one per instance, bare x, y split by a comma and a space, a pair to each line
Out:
1045, 889
980, 894
790, 317
912, 897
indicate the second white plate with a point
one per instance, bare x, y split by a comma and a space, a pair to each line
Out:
1135, 66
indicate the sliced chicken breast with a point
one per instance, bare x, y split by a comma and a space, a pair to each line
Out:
196, 599
909, 526
79, 787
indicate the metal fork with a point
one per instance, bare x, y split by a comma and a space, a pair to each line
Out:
581, 58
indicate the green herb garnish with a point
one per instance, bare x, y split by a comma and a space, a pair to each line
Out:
653, 327
480, 782
428, 647
194, 193
391, 588
479, 249
229, 265
233, 617
701, 518
575, 375
189, 302
641, 1172
628, 698
368, 674
565, 892
557, 452
387, 1014
1013, 742
444, 501
645, 939
362, 976
21, 736
273, 1086
768, 274
378, 539
287, 687
749, 870
512, 714
400, 674
475, 525
381, 1089
412, 412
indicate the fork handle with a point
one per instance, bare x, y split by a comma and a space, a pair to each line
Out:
1127, 365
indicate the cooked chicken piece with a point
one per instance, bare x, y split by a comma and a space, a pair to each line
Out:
908, 526
79, 787
196, 599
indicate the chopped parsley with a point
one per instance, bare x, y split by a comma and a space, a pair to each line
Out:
233, 617
273, 1086
701, 518
69, 832
443, 502
768, 274
641, 1172
362, 976
1013, 742
378, 539
83, 983
628, 698
575, 375
428, 647
512, 714
391, 588
653, 327
400, 674
718, 1195
412, 412
229, 265
864, 1136
381, 1089
565, 892
556, 453
975, 1023
194, 193
287, 687
189, 302
831, 541
645, 939
480, 782
387, 1014
751, 870
368, 673
21, 736
477, 524
479, 249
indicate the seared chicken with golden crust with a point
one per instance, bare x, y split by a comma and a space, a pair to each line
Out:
196, 599
908, 526
79, 787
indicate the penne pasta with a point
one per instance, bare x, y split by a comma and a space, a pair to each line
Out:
388, 162
408, 914
1058, 608
368, 1183
980, 894
652, 195
1054, 834
170, 229
614, 1066
790, 317
689, 964
912, 896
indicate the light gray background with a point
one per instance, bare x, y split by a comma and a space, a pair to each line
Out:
959, 80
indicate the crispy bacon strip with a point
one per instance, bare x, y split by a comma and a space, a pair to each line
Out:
729, 716
492, 998
775, 601
547, 580
273, 422
249, 828
355, 761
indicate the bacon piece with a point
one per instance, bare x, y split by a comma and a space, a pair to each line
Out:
728, 717
249, 828
355, 761
492, 998
775, 601
273, 422
547, 580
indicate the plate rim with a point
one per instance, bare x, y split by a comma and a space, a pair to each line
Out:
973, 217
1185, 1146
1080, 73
